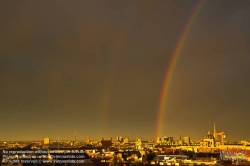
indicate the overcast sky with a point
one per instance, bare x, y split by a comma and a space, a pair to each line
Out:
99, 66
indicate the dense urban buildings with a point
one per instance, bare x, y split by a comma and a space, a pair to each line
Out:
125, 150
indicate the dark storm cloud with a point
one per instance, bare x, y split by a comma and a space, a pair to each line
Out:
210, 81
58, 60
18, 62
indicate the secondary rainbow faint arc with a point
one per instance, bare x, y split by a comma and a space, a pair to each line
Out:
170, 69
119, 47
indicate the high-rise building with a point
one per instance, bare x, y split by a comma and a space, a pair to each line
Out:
119, 138
158, 140
126, 140
46, 141
186, 140
171, 139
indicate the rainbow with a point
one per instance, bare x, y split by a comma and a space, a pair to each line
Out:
170, 69
119, 44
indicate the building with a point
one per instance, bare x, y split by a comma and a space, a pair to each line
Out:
46, 141
158, 140
119, 138
186, 140
208, 141
106, 143
126, 140
171, 139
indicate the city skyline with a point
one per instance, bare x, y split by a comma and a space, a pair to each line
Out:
109, 68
